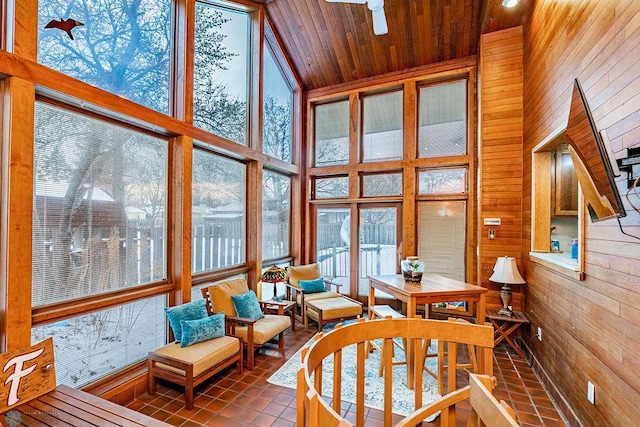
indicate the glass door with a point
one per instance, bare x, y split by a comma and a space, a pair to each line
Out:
377, 245
333, 245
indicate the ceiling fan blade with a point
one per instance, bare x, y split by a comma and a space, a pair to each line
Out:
379, 22
347, 1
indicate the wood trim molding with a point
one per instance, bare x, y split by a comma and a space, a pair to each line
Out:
16, 212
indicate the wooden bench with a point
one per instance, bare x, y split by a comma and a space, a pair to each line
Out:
29, 396
191, 366
66, 406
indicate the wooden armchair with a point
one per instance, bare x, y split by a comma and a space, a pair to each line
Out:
295, 292
253, 333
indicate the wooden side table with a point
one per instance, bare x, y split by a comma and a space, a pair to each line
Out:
505, 326
288, 307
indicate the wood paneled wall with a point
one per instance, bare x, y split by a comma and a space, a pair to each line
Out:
500, 154
591, 327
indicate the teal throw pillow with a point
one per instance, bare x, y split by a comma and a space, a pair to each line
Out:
190, 311
313, 286
247, 306
195, 331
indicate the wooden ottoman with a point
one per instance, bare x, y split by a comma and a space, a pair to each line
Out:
328, 310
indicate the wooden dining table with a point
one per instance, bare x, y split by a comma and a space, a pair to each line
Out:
432, 289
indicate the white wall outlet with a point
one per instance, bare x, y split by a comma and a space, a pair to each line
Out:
539, 334
591, 392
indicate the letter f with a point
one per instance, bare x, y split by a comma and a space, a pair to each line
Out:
19, 373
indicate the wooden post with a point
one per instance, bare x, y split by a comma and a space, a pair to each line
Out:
15, 228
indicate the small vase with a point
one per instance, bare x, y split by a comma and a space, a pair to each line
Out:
412, 269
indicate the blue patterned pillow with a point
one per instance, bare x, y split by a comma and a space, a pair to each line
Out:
313, 286
247, 306
195, 331
190, 311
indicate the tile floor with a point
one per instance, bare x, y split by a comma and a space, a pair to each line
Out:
229, 399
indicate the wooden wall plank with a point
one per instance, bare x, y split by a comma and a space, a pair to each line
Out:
499, 159
590, 327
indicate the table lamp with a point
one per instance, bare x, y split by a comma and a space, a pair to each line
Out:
274, 275
506, 272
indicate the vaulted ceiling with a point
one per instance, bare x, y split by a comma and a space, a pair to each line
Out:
333, 43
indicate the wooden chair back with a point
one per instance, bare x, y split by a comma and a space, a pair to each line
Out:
312, 409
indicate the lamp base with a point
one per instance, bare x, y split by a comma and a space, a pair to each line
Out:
505, 296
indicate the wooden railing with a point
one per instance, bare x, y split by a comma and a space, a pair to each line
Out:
313, 410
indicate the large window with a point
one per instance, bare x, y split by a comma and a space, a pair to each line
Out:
221, 56
442, 237
92, 345
219, 212
332, 134
277, 113
99, 206
442, 126
276, 211
122, 47
382, 137
404, 143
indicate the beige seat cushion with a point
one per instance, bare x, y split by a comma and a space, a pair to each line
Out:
303, 272
336, 308
318, 295
221, 293
203, 355
265, 328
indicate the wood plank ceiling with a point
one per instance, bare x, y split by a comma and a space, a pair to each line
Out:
333, 43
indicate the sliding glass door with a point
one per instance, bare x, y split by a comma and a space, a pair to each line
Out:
333, 245
378, 239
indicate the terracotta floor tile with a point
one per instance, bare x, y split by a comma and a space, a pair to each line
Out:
289, 414
175, 420
247, 415
274, 409
190, 423
216, 405
247, 399
263, 420
202, 416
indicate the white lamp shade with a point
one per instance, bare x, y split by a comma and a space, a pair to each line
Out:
506, 271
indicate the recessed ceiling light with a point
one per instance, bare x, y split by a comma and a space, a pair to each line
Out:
510, 3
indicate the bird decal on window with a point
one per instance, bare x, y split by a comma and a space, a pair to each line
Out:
65, 25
